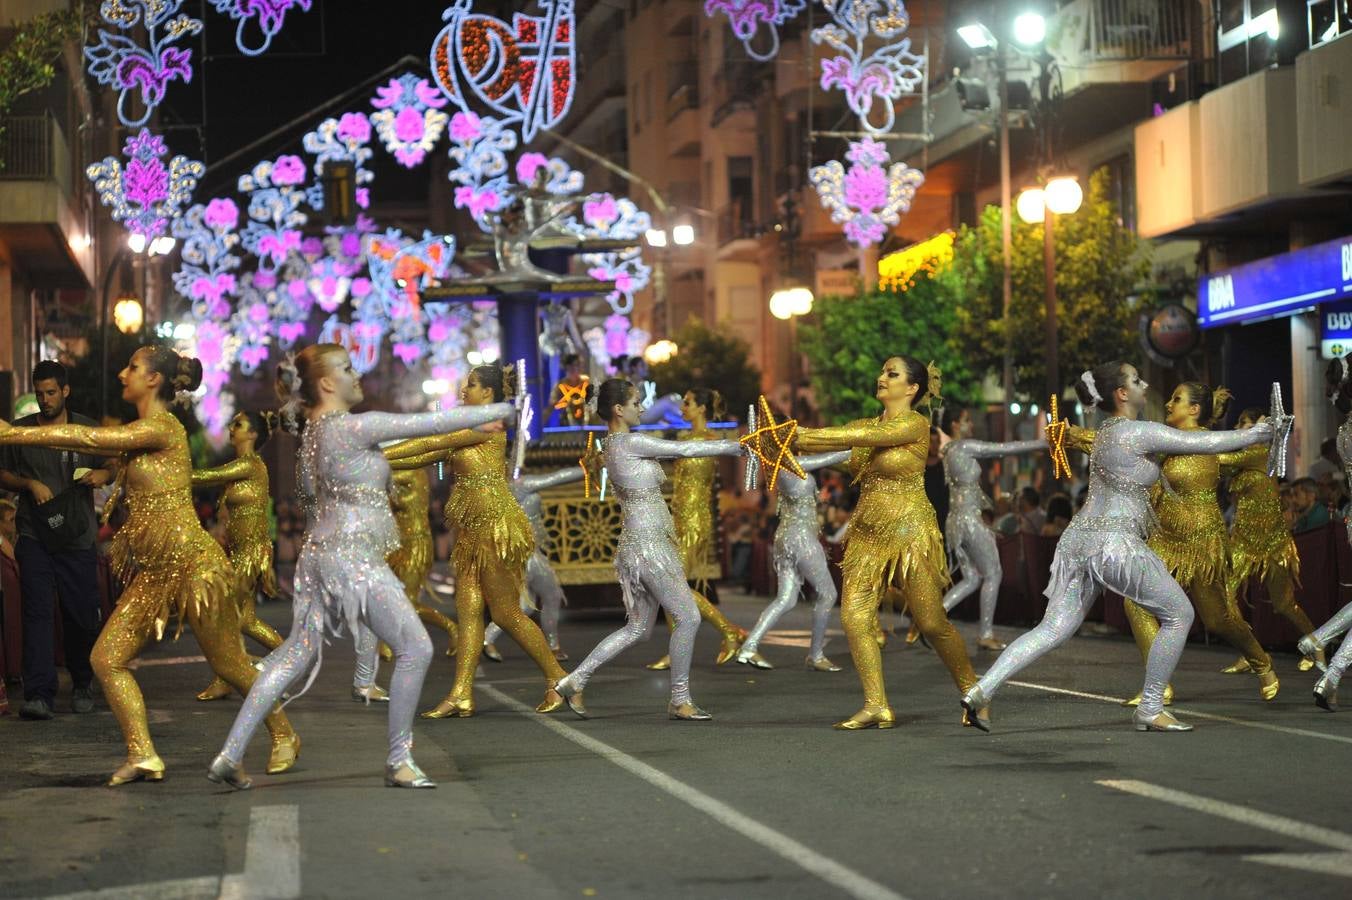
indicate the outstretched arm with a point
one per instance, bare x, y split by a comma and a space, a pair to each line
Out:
864, 433
993, 450
1081, 439
418, 461
533, 484
143, 434
376, 427
661, 448
1153, 437
235, 470
824, 460
1236, 461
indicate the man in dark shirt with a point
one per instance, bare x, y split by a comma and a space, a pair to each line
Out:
65, 575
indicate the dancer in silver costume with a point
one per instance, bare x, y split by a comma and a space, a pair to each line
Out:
341, 574
1338, 386
1104, 547
646, 560
799, 560
542, 586
970, 541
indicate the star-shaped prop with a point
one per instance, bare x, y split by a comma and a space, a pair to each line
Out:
771, 442
592, 463
524, 416
1281, 432
1056, 442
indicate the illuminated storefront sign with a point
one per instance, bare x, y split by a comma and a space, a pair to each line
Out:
1276, 286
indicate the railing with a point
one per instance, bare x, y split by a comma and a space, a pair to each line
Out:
26, 151
684, 97
734, 224
1104, 30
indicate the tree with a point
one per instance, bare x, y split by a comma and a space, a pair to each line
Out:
28, 62
710, 358
1099, 263
849, 338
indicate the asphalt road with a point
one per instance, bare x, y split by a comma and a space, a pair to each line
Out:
766, 801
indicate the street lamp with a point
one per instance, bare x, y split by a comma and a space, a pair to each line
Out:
660, 352
1061, 195
787, 304
128, 314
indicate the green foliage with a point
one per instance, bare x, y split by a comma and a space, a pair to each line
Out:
710, 358
848, 339
84, 371
28, 62
1098, 265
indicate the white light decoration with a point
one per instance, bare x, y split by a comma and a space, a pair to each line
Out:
1015, 408
684, 235
660, 352
1030, 205
976, 36
184, 331
162, 245
1030, 29
656, 237
1063, 195
781, 305
137, 242
128, 315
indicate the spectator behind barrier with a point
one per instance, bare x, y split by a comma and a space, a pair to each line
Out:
1307, 512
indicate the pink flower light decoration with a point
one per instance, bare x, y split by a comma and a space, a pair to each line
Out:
870, 196
466, 127
288, 170
221, 213
354, 127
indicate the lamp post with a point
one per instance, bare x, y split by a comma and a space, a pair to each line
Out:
787, 304
1061, 195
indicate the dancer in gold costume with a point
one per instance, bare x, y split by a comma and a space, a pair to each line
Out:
692, 511
893, 535
247, 531
409, 499
169, 563
1191, 540
493, 542
1260, 543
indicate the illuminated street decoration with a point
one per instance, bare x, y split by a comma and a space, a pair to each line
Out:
145, 194
870, 79
898, 271
345, 139
747, 16
480, 173
523, 71
275, 214
871, 195
252, 322
409, 119
206, 273
271, 15
608, 217
124, 65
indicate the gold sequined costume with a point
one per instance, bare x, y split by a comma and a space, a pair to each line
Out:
1260, 543
410, 495
1191, 540
493, 540
893, 537
692, 511
248, 536
169, 564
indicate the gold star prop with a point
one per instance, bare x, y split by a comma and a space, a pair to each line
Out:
771, 442
591, 462
1056, 442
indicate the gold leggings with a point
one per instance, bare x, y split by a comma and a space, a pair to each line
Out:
492, 582
1281, 591
1220, 617
252, 626
131, 625
861, 594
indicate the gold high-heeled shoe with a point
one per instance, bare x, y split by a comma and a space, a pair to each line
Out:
661, 665
913, 633
285, 752
731, 644
151, 769
1168, 697
371, 694
993, 644
1268, 685
869, 717
217, 690
1238, 666
881, 637
450, 709
553, 699
1315, 659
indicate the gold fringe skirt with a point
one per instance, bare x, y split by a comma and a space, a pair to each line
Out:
1260, 542
412, 562
893, 533
491, 528
164, 549
250, 540
1191, 538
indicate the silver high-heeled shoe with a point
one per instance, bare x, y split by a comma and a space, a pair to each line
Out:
1326, 693
371, 694
1165, 721
975, 702
687, 712
223, 771
751, 657
1310, 648
414, 777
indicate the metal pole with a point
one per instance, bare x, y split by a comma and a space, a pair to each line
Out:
1049, 274
1007, 255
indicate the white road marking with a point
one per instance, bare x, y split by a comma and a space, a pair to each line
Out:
1194, 714
1335, 863
165, 661
814, 863
271, 868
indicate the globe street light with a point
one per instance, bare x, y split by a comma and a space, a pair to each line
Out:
1061, 195
1030, 29
128, 314
787, 304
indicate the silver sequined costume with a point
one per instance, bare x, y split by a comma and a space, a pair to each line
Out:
1341, 621
798, 556
341, 574
543, 590
970, 541
646, 560
1104, 547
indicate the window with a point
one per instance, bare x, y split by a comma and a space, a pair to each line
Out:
1327, 19
1251, 36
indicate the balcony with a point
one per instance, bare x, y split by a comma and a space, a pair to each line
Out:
41, 223
683, 128
735, 88
738, 235
1324, 113
1115, 41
